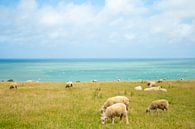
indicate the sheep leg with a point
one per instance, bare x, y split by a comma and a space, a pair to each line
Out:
127, 120
121, 118
112, 120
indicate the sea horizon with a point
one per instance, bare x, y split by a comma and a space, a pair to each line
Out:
101, 69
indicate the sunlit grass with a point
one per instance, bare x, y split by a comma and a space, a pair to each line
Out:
45, 105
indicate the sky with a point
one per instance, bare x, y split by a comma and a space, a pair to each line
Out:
97, 28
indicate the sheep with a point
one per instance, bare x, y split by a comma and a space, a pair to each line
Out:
155, 89
138, 88
113, 100
163, 89
13, 85
94, 80
152, 89
162, 104
115, 110
69, 84
160, 81
151, 83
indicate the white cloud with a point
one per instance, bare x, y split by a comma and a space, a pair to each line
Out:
117, 23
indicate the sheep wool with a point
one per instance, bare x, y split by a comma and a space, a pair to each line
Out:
69, 84
162, 104
116, 110
114, 100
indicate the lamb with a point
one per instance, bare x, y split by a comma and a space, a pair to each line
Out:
116, 110
69, 84
13, 85
151, 83
162, 104
113, 100
138, 88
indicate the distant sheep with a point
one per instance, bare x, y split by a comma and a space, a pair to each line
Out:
138, 88
13, 85
151, 83
114, 100
116, 110
163, 89
162, 104
152, 89
69, 84
160, 81
155, 89
94, 80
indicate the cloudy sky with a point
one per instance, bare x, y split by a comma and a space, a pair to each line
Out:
97, 28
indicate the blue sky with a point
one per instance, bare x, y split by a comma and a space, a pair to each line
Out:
97, 28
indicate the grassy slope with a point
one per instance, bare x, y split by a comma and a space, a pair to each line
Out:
50, 105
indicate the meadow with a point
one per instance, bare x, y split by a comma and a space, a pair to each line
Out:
49, 105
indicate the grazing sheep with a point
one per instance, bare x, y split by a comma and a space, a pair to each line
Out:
152, 89
151, 83
13, 85
94, 80
163, 89
160, 81
113, 100
138, 88
155, 89
162, 104
116, 110
69, 84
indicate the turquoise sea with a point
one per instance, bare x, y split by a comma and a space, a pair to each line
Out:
96, 69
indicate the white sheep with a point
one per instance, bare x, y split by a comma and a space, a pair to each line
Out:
116, 110
152, 89
151, 83
13, 85
163, 89
115, 99
138, 88
69, 84
94, 80
162, 104
155, 89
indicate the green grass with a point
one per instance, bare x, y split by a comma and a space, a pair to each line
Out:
46, 105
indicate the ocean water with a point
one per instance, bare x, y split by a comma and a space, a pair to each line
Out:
98, 69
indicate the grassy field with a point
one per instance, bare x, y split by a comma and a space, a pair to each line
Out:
45, 105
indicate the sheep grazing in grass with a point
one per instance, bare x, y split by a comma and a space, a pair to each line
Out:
13, 85
138, 88
114, 100
152, 89
151, 83
160, 81
155, 89
162, 104
69, 84
163, 89
94, 80
116, 110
